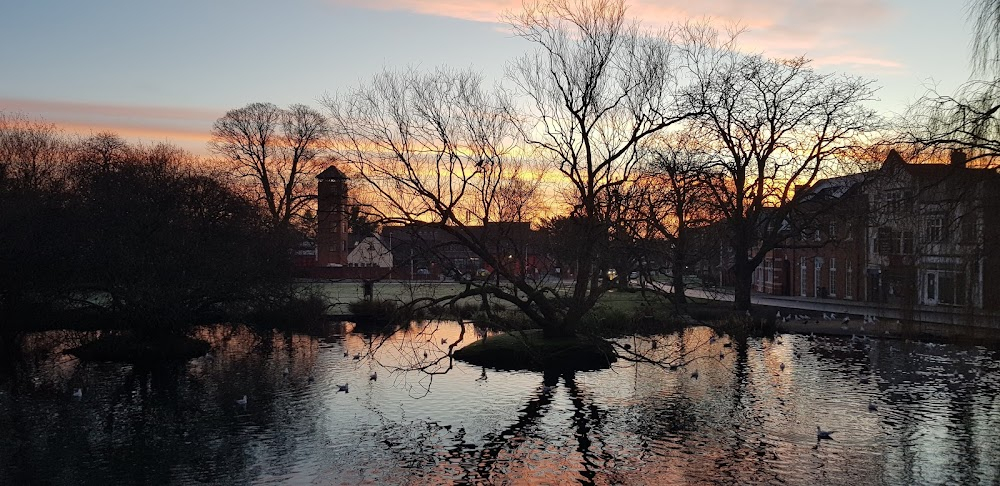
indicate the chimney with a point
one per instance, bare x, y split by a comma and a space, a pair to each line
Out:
958, 158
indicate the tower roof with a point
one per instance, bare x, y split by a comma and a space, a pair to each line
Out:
331, 172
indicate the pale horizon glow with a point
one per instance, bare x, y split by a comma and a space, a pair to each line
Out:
165, 71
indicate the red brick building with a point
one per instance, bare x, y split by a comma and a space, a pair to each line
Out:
906, 234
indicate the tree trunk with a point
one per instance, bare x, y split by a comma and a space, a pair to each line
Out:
744, 282
678, 284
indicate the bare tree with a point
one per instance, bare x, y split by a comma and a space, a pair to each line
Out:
439, 150
776, 126
596, 87
674, 200
966, 121
31, 151
277, 150
985, 15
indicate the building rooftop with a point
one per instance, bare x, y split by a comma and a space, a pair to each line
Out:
331, 172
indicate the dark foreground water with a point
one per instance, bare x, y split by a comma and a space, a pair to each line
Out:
744, 420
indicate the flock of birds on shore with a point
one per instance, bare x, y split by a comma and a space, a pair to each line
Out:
831, 316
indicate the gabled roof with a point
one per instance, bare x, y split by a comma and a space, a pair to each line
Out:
331, 172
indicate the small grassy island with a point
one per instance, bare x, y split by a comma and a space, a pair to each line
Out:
531, 350
134, 348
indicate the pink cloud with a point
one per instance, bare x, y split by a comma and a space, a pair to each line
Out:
782, 28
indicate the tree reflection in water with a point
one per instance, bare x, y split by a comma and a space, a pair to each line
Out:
744, 421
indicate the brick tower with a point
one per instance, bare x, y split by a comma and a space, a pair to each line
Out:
331, 228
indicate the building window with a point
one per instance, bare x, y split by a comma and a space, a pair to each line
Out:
802, 276
930, 289
934, 230
833, 229
968, 228
833, 277
951, 288
769, 271
849, 278
883, 241
906, 242
818, 266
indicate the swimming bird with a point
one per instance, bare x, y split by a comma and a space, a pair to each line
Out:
343, 388
78, 393
654, 344
872, 407
694, 375
823, 434
812, 337
547, 389
865, 380
826, 317
311, 379
373, 376
777, 315
357, 356
781, 366
722, 355
425, 354
728, 345
846, 319
242, 401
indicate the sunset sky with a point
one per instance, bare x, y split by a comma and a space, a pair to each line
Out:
165, 71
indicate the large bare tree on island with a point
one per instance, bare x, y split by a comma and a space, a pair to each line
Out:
439, 149
277, 152
776, 126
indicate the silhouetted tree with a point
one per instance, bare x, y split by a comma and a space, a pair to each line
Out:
140, 234
774, 126
967, 121
164, 242
36, 239
985, 15
673, 200
278, 151
438, 149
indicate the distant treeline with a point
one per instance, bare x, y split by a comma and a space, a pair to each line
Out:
141, 236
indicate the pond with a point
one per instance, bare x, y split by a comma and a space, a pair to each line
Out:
750, 416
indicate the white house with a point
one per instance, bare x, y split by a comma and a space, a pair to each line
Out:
370, 252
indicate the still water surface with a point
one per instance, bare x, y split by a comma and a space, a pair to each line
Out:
744, 420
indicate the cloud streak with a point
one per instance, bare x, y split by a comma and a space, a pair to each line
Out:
185, 127
783, 28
